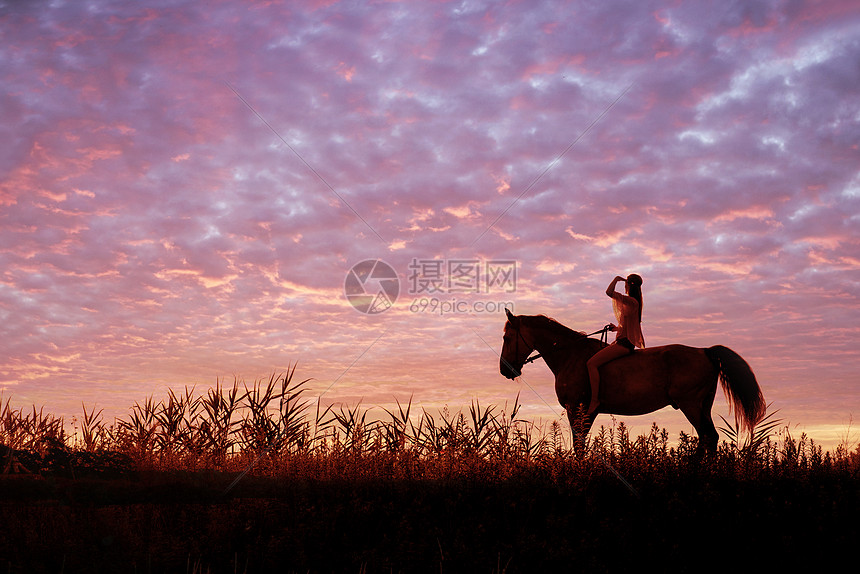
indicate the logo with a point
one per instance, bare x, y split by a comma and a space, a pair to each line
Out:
371, 286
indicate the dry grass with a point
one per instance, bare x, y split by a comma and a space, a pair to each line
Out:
270, 428
256, 477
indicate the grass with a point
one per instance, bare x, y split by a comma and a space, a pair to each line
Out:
258, 477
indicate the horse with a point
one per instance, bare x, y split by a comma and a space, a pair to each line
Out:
640, 383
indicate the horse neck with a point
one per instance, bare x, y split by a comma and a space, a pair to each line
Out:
548, 345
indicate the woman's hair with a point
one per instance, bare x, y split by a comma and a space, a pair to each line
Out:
634, 289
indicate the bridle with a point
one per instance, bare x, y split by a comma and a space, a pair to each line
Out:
604, 334
603, 339
514, 370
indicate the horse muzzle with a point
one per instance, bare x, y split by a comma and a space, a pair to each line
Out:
508, 370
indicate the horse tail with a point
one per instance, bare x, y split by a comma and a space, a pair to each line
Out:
739, 384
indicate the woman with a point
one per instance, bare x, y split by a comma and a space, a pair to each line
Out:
628, 312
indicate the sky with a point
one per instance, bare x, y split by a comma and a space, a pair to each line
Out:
189, 191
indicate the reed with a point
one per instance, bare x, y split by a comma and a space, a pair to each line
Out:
269, 427
399, 489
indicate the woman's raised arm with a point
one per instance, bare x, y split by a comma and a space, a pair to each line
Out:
611, 289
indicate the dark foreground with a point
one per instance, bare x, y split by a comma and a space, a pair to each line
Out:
183, 522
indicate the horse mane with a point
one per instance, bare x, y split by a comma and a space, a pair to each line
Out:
550, 324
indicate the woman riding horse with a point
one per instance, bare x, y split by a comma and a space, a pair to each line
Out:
678, 375
628, 312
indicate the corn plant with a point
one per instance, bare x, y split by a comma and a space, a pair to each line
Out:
395, 433
353, 423
294, 431
12, 432
136, 435
480, 434
263, 430
173, 437
751, 442
93, 434
270, 422
215, 422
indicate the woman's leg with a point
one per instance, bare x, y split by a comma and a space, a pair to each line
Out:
603, 356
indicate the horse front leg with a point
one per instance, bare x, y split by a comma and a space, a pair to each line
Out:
580, 424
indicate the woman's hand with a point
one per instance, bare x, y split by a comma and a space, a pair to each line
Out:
611, 289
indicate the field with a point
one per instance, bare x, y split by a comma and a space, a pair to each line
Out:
255, 478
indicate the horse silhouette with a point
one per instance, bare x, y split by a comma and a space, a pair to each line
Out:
642, 382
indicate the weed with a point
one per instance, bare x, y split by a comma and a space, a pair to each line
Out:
267, 427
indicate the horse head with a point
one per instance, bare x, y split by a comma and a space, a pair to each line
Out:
515, 348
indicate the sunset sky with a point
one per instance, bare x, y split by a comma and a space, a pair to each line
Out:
185, 186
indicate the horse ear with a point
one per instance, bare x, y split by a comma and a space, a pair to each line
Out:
510, 315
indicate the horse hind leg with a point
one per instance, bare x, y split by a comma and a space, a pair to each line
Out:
708, 436
699, 416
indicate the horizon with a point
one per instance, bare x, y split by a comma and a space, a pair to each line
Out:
188, 193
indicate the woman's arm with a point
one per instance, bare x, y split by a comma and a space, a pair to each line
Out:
611, 289
621, 297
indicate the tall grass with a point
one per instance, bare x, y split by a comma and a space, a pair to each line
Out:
271, 428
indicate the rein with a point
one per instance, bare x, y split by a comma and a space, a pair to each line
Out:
603, 336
